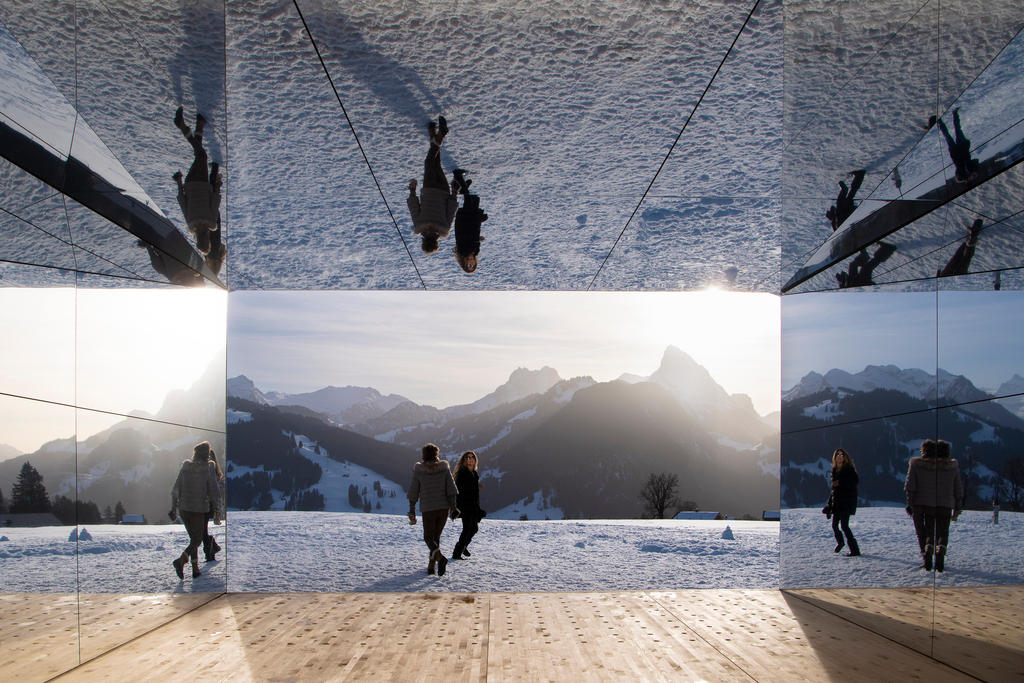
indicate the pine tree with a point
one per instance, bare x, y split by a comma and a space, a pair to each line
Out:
118, 512
28, 493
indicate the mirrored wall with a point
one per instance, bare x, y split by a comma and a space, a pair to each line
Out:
903, 253
112, 319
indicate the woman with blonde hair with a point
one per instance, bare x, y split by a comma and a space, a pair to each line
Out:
467, 480
842, 503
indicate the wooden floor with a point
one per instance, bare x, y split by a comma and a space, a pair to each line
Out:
692, 635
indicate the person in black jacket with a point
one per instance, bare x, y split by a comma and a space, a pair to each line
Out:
842, 503
468, 220
467, 481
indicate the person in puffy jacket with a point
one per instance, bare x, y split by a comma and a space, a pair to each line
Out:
199, 194
433, 486
934, 497
195, 493
433, 212
467, 480
842, 502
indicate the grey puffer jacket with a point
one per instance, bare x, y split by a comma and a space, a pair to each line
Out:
934, 482
196, 489
434, 211
433, 486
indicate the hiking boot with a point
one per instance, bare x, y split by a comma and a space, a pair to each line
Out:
442, 127
839, 546
928, 557
179, 121
465, 552
195, 571
179, 567
457, 553
200, 123
442, 564
940, 558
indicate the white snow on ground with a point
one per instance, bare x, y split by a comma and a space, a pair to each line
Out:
980, 553
341, 551
120, 558
358, 552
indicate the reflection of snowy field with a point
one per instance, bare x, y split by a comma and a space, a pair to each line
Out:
980, 553
324, 552
118, 559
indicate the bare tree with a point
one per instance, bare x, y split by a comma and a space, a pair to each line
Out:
659, 494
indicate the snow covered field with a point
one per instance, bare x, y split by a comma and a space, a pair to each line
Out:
345, 551
980, 553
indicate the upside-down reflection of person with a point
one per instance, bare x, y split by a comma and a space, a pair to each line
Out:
433, 212
199, 193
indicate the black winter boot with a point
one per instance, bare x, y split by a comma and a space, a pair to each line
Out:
928, 557
457, 552
179, 565
854, 548
940, 558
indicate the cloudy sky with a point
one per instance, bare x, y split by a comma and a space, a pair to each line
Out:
446, 348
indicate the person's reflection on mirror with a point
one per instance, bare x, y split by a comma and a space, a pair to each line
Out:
467, 481
959, 149
433, 212
897, 180
842, 500
468, 221
844, 205
961, 259
210, 545
194, 494
199, 193
861, 269
175, 271
995, 510
934, 496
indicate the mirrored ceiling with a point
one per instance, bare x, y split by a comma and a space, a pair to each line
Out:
621, 145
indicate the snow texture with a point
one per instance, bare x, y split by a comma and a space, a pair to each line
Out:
980, 553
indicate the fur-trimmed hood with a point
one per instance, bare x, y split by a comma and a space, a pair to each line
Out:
427, 467
937, 464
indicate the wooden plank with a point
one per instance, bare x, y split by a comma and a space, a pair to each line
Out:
979, 631
774, 637
710, 635
107, 620
900, 614
596, 637
38, 635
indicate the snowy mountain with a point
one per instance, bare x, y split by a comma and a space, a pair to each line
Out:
243, 387
521, 383
538, 435
345, 405
913, 382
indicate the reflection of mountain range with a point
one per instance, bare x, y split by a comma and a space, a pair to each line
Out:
889, 411
539, 434
136, 460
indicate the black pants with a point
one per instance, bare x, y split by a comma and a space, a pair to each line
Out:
433, 525
470, 525
936, 524
843, 521
433, 173
195, 525
198, 170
